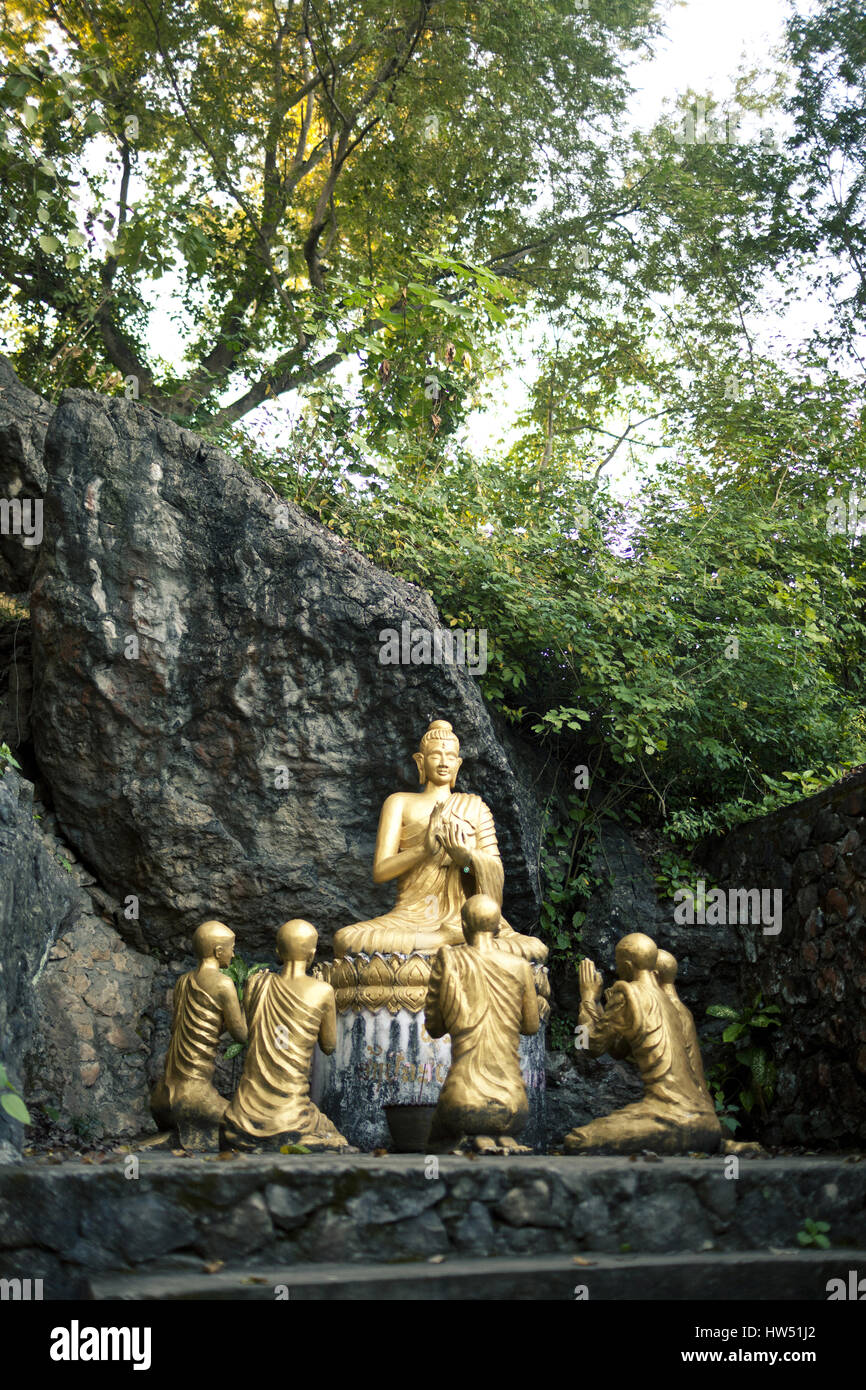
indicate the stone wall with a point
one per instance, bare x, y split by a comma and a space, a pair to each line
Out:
73, 1224
815, 969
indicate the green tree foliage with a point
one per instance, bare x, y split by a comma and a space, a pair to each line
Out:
693, 650
827, 48
254, 162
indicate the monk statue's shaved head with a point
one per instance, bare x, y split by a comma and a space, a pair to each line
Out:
480, 914
666, 967
208, 936
296, 940
637, 951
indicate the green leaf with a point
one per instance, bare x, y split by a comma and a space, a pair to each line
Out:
14, 1106
233, 1049
49, 243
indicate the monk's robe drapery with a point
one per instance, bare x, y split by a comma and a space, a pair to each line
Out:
195, 1038
274, 1093
645, 1019
479, 999
640, 1021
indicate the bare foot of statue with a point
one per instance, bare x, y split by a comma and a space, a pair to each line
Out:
511, 1146
489, 1144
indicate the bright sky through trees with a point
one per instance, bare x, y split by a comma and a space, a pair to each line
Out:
705, 44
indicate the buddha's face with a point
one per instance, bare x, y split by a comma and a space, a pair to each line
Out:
441, 765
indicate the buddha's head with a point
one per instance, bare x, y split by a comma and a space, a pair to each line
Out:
635, 953
297, 940
438, 758
480, 914
214, 939
666, 968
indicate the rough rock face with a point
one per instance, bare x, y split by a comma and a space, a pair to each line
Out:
75, 1030
93, 997
626, 901
815, 968
16, 678
210, 709
23, 421
581, 1088
37, 899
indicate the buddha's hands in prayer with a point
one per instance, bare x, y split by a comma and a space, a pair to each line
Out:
454, 841
591, 983
433, 838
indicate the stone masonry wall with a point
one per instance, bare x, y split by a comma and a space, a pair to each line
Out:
815, 968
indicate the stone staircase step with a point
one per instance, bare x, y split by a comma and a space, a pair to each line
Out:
742, 1275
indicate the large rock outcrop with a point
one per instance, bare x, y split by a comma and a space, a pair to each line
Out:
24, 419
210, 709
37, 899
76, 1032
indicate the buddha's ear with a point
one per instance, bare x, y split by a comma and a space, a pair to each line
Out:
456, 770
418, 760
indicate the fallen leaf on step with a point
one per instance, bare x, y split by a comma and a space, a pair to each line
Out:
212, 1267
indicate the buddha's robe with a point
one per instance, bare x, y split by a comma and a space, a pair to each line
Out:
430, 896
187, 1087
485, 1000
640, 1021
273, 1098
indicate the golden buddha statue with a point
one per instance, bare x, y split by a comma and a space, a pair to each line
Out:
666, 974
205, 1006
642, 1021
485, 999
441, 846
288, 1013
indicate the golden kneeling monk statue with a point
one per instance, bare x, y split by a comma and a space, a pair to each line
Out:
287, 1013
666, 973
485, 999
644, 1020
441, 845
205, 1006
